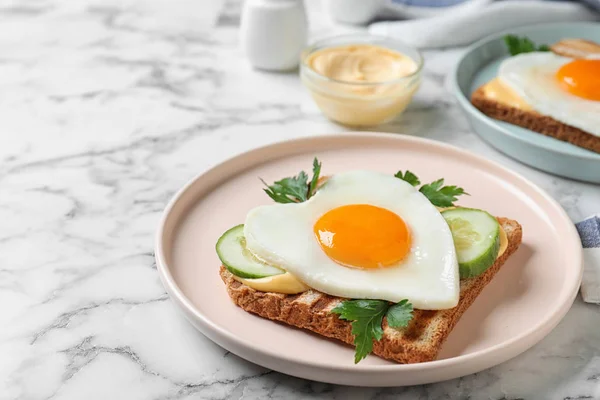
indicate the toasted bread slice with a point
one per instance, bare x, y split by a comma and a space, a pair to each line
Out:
419, 342
534, 121
576, 48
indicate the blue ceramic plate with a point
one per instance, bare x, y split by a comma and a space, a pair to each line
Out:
480, 64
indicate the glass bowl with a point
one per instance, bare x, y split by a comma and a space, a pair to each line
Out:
361, 103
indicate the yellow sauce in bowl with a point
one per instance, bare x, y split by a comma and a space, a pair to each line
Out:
361, 63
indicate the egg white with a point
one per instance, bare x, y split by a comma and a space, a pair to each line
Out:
532, 76
282, 235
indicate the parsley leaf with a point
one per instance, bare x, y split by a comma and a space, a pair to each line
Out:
367, 317
315, 178
517, 45
289, 190
400, 314
441, 196
438, 195
295, 189
408, 177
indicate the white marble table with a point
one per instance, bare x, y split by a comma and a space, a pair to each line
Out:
108, 107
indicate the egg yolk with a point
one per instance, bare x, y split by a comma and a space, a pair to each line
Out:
363, 236
581, 78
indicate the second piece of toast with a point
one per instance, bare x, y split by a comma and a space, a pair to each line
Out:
534, 121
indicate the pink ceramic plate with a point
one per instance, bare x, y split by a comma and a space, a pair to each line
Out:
527, 298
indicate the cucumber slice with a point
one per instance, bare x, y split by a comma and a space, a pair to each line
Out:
231, 249
476, 237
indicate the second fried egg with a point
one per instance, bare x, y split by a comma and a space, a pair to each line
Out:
565, 89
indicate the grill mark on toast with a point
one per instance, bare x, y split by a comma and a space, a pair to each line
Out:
419, 324
293, 297
320, 304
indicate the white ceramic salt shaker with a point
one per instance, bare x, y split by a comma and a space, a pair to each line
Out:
273, 33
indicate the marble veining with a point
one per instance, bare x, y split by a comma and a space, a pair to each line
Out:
108, 107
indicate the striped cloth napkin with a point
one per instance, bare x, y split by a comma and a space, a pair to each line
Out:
443, 23
589, 231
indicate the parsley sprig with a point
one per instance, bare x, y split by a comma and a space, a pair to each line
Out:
441, 196
517, 45
295, 189
438, 194
367, 319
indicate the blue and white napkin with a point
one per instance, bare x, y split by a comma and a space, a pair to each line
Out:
443, 23
589, 231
